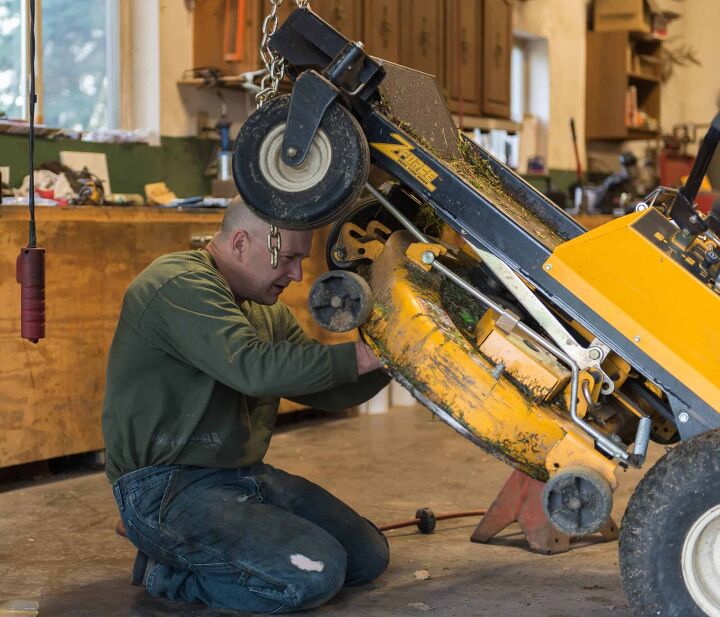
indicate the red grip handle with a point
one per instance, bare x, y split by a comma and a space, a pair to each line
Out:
30, 268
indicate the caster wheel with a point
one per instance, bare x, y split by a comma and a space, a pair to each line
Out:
340, 301
317, 191
577, 501
670, 534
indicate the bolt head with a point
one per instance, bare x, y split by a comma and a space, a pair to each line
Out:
291, 152
683, 417
594, 353
428, 257
336, 301
636, 339
548, 266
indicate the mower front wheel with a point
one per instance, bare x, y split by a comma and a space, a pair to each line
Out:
317, 191
670, 535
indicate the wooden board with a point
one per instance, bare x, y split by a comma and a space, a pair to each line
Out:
51, 393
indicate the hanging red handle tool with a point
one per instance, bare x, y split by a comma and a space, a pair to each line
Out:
31, 276
30, 266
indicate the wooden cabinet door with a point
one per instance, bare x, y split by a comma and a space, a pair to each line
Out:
343, 15
464, 55
422, 37
209, 36
382, 29
497, 46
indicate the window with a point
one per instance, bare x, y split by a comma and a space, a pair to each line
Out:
530, 97
77, 63
518, 101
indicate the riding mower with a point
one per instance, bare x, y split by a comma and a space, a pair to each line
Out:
560, 351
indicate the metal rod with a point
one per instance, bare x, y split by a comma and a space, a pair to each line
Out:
604, 442
642, 439
407, 223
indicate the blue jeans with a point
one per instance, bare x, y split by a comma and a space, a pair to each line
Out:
254, 539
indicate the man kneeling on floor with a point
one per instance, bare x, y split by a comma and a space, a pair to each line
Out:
201, 354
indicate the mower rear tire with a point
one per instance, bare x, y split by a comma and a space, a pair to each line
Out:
670, 534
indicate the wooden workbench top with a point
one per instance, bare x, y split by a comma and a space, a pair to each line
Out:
145, 214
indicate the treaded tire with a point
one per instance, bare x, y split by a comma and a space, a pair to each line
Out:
681, 487
322, 201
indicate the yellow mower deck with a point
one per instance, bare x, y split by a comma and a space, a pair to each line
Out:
420, 345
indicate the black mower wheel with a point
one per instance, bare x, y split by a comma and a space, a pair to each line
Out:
670, 534
317, 191
340, 301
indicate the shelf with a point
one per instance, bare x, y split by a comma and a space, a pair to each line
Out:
622, 81
487, 124
633, 133
232, 82
641, 77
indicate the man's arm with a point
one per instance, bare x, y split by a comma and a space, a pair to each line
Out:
371, 381
195, 319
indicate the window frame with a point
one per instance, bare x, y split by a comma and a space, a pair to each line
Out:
115, 21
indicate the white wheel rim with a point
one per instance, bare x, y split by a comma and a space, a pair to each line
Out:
701, 562
294, 179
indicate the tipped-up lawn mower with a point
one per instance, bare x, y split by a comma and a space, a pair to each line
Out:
562, 352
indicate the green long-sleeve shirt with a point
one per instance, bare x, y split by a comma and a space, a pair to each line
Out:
193, 378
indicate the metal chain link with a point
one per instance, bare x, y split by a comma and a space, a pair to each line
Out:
275, 66
274, 244
273, 62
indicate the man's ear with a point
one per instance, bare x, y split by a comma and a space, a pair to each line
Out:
239, 244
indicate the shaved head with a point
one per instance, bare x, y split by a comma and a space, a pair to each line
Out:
239, 216
240, 251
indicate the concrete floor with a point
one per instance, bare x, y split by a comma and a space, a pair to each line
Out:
57, 544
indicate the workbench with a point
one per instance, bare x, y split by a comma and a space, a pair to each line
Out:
51, 393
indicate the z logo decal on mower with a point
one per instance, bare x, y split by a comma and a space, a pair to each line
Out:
402, 154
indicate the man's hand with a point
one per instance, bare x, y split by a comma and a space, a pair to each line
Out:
366, 360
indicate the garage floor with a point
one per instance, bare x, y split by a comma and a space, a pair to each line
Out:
57, 545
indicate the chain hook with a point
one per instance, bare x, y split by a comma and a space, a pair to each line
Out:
275, 67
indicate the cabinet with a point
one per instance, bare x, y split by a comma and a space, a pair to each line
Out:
623, 86
381, 32
479, 35
343, 15
51, 393
209, 28
422, 37
466, 44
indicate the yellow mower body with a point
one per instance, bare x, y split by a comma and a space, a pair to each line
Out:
423, 348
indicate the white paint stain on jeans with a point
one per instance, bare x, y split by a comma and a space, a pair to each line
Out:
305, 563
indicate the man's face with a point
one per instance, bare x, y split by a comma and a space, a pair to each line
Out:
263, 284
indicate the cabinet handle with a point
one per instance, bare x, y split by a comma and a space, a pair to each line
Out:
464, 46
498, 51
385, 28
199, 241
424, 37
339, 15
